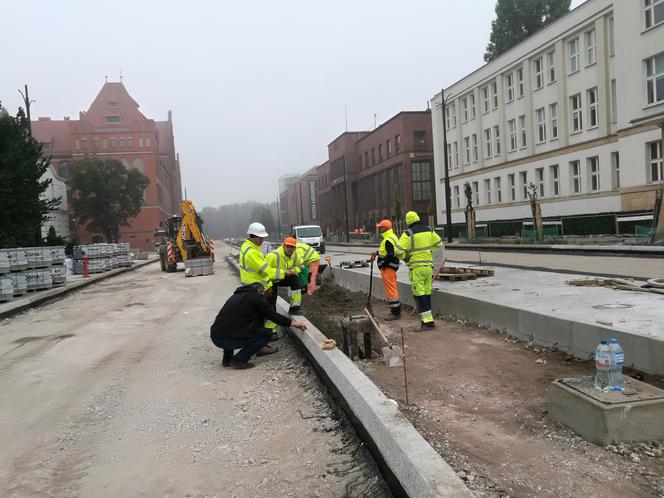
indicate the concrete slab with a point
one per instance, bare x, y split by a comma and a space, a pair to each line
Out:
542, 307
636, 414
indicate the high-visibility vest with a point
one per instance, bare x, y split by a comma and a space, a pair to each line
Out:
253, 267
417, 248
388, 236
307, 254
278, 260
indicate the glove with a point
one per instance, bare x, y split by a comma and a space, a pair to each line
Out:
313, 269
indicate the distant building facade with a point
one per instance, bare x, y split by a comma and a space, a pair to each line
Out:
576, 109
114, 128
59, 217
299, 202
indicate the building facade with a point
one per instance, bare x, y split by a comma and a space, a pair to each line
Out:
574, 110
59, 217
114, 128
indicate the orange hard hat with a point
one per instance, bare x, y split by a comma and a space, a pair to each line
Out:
290, 241
384, 224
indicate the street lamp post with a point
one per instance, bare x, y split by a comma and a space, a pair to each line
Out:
448, 193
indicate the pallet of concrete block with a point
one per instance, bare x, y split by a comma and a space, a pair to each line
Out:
17, 259
38, 279
122, 248
198, 266
92, 251
4, 262
57, 254
38, 257
6, 288
123, 260
98, 265
19, 283
59, 275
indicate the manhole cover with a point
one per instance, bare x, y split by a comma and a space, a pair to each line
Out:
615, 306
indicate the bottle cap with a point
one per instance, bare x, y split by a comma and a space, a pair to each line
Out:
613, 340
603, 341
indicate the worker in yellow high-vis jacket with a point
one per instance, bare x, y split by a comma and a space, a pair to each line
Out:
285, 260
416, 247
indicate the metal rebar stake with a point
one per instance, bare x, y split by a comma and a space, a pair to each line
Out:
403, 357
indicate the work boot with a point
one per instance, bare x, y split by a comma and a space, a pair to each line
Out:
241, 365
266, 350
226, 360
274, 337
425, 327
391, 317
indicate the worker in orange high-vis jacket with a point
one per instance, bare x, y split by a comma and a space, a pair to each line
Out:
388, 264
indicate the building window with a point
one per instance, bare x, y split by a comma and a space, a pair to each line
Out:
494, 92
593, 110
397, 143
487, 190
420, 138
112, 143
612, 37
95, 143
453, 114
475, 151
655, 79
509, 87
551, 60
591, 47
112, 119
554, 173
476, 193
577, 113
130, 142
84, 143
496, 137
113, 104
457, 197
573, 50
147, 141
655, 163
447, 118
497, 187
464, 104
485, 99
614, 102
449, 155
389, 148
654, 12
511, 124
519, 81
615, 170
380, 151
523, 184
373, 156
471, 97
121, 142
487, 143
541, 125
539, 175
466, 147
512, 186
539, 73
359, 161
593, 171
104, 144
575, 176
553, 112
140, 141
456, 154
77, 143
422, 181
522, 127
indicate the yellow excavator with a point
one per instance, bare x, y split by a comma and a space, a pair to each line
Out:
183, 240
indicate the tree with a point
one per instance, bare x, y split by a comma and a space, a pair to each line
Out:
262, 214
106, 195
516, 20
21, 186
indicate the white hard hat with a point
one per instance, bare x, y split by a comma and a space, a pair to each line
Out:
257, 230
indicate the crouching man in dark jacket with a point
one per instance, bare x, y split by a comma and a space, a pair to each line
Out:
241, 325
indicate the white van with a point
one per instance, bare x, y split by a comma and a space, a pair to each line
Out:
312, 235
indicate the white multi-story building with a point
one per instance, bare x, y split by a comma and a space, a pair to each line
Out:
58, 218
575, 109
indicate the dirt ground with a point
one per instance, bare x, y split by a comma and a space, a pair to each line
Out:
116, 390
479, 397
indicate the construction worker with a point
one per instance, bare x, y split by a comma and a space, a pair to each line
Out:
284, 259
388, 264
309, 261
416, 247
253, 267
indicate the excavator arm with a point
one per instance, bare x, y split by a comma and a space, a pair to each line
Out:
191, 240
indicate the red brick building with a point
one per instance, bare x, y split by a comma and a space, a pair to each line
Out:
379, 174
299, 203
114, 127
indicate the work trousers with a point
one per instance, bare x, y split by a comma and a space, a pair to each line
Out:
293, 283
420, 280
247, 346
389, 277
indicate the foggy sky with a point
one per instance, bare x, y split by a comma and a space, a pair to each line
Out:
257, 88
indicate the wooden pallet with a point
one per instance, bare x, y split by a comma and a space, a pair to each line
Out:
463, 273
455, 276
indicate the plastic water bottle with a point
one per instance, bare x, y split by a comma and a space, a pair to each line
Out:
603, 366
616, 377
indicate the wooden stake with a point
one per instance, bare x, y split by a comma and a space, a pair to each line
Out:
405, 375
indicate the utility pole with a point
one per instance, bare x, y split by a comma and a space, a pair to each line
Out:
448, 193
27, 102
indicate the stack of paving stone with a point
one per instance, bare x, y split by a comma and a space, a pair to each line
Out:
6, 288
38, 272
101, 257
27, 269
122, 254
58, 270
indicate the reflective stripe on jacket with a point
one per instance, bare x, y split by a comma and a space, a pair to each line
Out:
253, 267
417, 245
384, 258
278, 260
307, 254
